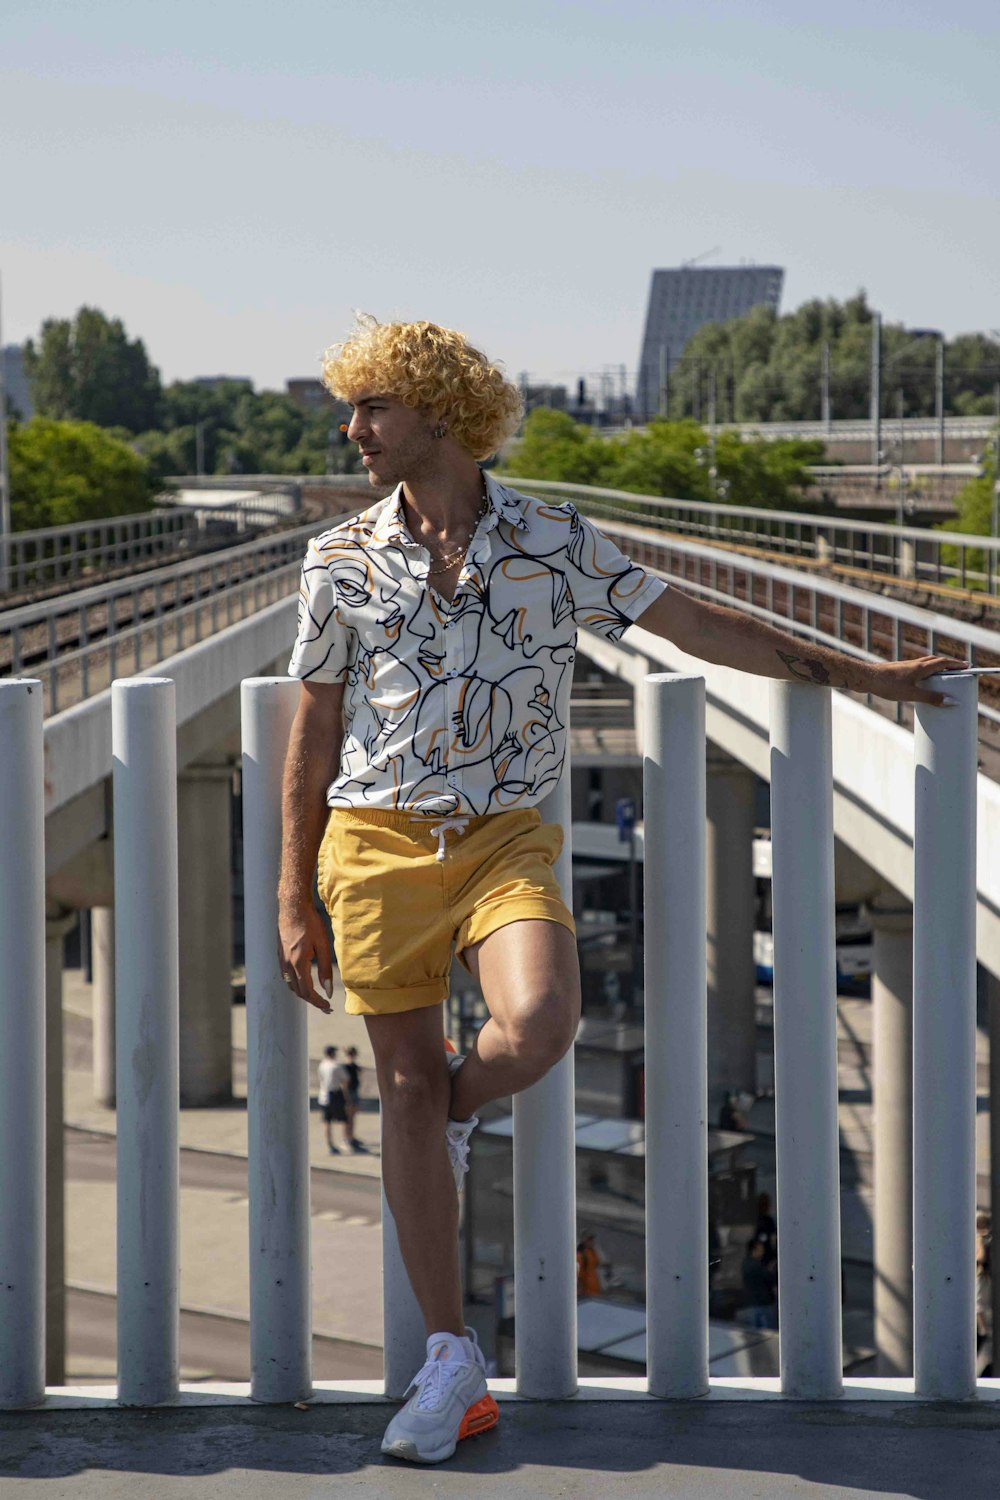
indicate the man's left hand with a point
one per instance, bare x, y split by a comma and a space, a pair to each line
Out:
901, 680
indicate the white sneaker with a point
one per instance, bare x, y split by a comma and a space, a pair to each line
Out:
449, 1401
457, 1132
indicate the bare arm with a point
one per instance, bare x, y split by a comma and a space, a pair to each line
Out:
310, 765
732, 639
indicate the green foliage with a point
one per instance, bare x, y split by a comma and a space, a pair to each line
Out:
88, 370
553, 446
243, 432
72, 471
974, 503
768, 368
671, 459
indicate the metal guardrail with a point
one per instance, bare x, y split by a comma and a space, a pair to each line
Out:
943, 1291
62, 554
54, 554
79, 643
870, 627
911, 555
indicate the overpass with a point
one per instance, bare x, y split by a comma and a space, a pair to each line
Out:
869, 777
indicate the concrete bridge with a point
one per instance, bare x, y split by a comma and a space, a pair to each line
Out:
868, 780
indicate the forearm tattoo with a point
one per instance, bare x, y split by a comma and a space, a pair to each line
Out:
806, 670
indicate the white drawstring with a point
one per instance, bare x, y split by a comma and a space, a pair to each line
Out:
458, 822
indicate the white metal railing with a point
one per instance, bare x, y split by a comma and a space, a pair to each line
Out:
868, 626
65, 554
78, 643
910, 555
677, 1243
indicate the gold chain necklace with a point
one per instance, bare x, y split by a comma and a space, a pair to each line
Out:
447, 562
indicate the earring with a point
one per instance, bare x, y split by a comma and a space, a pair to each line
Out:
440, 430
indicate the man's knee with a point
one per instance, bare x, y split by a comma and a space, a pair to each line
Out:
413, 1092
544, 1026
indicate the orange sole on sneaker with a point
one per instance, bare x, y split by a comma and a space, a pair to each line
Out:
480, 1417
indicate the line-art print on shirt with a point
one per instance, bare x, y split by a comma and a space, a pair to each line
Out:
460, 706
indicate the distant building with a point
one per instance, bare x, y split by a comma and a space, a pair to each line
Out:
683, 300
214, 380
310, 395
16, 382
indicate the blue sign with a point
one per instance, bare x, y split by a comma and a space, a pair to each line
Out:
625, 818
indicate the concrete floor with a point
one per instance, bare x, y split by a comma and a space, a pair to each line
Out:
611, 1450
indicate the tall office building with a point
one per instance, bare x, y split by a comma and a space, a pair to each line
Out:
16, 382
681, 301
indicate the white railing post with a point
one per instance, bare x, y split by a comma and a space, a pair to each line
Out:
805, 1041
144, 747
22, 1046
676, 1035
404, 1337
545, 1195
277, 1070
944, 1044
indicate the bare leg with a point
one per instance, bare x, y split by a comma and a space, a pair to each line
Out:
530, 977
413, 1084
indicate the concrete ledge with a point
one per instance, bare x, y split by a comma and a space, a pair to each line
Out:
728, 1388
625, 1449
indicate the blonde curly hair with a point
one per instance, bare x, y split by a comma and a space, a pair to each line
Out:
427, 367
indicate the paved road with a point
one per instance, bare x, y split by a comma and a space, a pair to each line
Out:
212, 1345
338, 1195
218, 1346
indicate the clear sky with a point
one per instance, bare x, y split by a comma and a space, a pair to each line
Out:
234, 179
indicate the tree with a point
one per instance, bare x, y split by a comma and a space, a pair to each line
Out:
671, 459
769, 368
72, 471
243, 432
974, 504
88, 370
553, 446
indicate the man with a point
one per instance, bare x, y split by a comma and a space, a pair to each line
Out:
331, 1098
437, 634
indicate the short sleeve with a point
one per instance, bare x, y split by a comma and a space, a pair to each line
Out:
322, 647
609, 590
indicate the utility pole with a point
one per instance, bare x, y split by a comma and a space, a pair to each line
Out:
901, 500
939, 398
875, 407
825, 388
712, 472
5, 526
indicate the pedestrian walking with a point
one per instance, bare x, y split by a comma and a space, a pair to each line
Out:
331, 1098
351, 1083
985, 1362
591, 1267
760, 1282
436, 639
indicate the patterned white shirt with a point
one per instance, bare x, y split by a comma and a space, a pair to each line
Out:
461, 707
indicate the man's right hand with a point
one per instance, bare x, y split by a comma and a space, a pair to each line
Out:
301, 938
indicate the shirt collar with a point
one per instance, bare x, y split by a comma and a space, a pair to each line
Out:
390, 528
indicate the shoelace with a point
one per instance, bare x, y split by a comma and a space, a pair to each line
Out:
458, 1141
458, 823
436, 1376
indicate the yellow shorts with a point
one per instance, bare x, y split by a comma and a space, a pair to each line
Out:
396, 908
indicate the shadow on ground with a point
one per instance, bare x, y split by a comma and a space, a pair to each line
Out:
593, 1450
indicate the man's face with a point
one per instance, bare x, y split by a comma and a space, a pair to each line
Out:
396, 442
